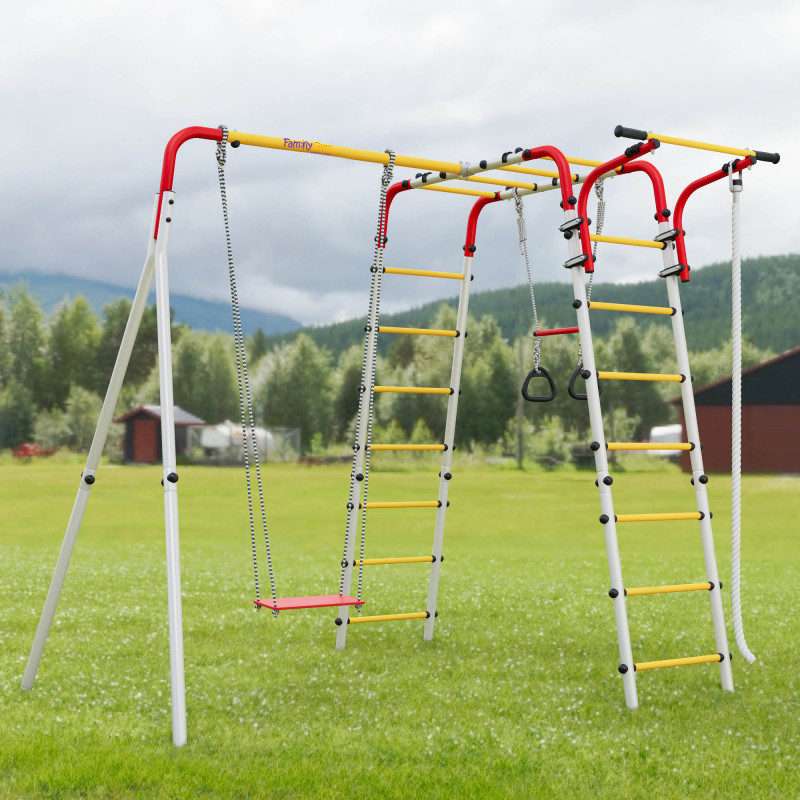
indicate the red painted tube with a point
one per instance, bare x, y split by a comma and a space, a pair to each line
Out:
171, 153
555, 331
635, 152
677, 220
564, 172
391, 193
472, 222
658, 186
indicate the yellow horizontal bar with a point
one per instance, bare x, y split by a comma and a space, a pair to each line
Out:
423, 273
499, 182
406, 447
405, 560
436, 187
715, 148
657, 517
387, 617
544, 173
583, 162
406, 504
665, 311
412, 389
596, 237
678, 662
639, 376
648, 446
678, 587
352, 153
417, 331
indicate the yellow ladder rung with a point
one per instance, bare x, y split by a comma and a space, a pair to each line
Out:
459, 190
406, 447
416, 331
413, 389
664, 311
596, 237
640, 376
678, 587
368, 562
407, 504
388, 617
424, 273
658, 517
649, 446
678, 662
545, 173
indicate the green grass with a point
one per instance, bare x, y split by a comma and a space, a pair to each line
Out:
517, 696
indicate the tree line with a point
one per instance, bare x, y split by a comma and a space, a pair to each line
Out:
55, 369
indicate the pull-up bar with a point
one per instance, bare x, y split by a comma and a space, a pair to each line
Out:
635, 133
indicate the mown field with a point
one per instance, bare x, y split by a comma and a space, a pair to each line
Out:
517, 696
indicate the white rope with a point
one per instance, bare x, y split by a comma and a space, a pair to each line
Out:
736, 419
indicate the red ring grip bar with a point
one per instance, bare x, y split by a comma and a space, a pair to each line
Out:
555, 331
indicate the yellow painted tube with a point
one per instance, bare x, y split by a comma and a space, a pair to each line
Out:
423, 273
648, 446
499, 182
596, 237
658, 517
417, 331
388, 617
406, 447
714, 148
665, 311
438, 187
544, 173
367, 562
679, 587
639, 376
678, 662
406, 504
412, 390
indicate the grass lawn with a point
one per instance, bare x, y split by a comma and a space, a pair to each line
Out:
518, 695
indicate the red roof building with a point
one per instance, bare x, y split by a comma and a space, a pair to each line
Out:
143, 433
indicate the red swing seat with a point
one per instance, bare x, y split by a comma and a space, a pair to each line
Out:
310, 601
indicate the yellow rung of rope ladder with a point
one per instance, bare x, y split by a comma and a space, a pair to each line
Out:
458, 190
597, 237
667, 312
658, 517
714, 148
413, 389
545, 173
367, 562
424, 273
639, 376
406, 504
649, 446
406, 447
679, 587
388, 617
678, 662
416, 331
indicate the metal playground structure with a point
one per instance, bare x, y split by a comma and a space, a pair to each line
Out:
471, 179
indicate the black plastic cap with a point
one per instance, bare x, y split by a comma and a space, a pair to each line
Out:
404, 184
612, 593
235, 143
483, 164
629, 133
703, 479
608, 480
526, 154
472, 248
773, 158
172, 477
622, 669
576, 303
442, 175
595, 446
447, 476
586, 374
338, 621
604, 518
359, 477
89, 479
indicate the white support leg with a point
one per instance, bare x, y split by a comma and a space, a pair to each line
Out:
447, 457
169, 474
92, 461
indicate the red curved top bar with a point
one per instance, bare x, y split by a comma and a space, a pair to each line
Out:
472, 222
171, 153
564, 173
391, 193
658, 186
632, 152
677, 220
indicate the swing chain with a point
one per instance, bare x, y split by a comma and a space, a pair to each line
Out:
598, 229
523, 250
249, 438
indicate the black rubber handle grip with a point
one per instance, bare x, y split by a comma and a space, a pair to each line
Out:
630, 133
773, 158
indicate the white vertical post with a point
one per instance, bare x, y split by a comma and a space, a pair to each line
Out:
447, 456
92, 460
698, 475
169, 474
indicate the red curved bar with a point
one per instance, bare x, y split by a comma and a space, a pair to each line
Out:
391, 193
677, 220
472, 222
635, 152
171, 153
564, 172
658, 186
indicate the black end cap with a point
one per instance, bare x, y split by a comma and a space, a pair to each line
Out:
338, 621
359, 477
483, 164
608, 480
595, 446
604, 518
172, 477
586, 374
703, 479
576, 303
447, 476
612, 593
773, 158
89, 479
629, 133
622, 669
235, 143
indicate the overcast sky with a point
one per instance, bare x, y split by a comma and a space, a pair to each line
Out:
93, 90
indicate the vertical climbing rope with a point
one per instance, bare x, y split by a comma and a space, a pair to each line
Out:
736, 186
523, 251
245, 399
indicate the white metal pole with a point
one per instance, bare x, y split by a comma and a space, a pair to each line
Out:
447, 457
699, 478
169, 474
92, 460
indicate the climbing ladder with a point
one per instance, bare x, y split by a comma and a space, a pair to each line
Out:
359, 503
579, 263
